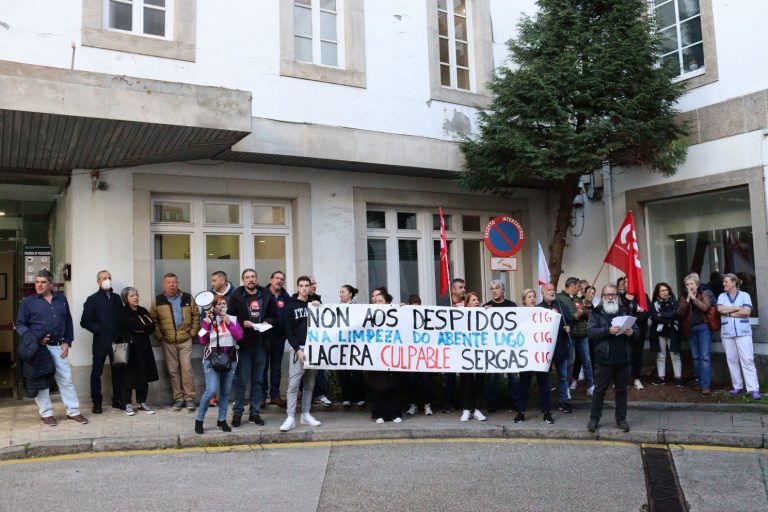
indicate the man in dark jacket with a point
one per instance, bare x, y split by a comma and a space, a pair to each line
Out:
613, 355
563, 345
276, 339
101, 313
570, 298
253, 306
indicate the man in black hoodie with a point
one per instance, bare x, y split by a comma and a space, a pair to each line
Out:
252, 305
296, 331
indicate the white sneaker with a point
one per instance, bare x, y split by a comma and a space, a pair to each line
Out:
412, 410
379, 420
398, 420
638, 384
129, 410
465, 415
308, 419
479, 416
581, 374
324, 401
428, 410
346, 403
574, 383
360, 403
288, 424
591, 390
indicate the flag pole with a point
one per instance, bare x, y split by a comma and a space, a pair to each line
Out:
598, 274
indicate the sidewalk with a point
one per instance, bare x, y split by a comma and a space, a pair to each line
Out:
23, 435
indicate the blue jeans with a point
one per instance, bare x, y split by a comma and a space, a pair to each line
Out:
582, 346
63, 378
252, 366
216, 382
701, 346
275, 364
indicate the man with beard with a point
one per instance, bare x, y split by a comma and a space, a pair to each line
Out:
562, 346
252, 305
613, 355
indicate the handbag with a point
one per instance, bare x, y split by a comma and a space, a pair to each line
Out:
220, 361
713, 319
121, 351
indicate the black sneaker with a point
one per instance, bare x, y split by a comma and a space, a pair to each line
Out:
256, 419
519, 418
592, 425
658, 382
679, 383
548, 418
118, 404
236, 419
565, 407
222, 425
622, 425
198, 427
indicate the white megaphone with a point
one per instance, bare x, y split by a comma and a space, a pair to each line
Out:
204, 300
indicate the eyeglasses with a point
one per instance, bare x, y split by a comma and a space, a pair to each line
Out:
610, 295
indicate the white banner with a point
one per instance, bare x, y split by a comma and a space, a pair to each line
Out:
430, 338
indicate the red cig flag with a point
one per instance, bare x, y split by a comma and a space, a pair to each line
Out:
624, 254
444, 278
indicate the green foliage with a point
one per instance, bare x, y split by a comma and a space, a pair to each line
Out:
582, 89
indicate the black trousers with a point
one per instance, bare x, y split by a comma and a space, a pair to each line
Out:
637, 351
605, 375
141, 394
386, 404
418, 386
542, 380
96, 370
352, 385
472, 388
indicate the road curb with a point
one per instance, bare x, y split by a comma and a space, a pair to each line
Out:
683, 406
217, 440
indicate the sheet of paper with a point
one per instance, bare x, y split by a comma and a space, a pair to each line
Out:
264, 326
623, 322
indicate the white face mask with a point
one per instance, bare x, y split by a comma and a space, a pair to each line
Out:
106, 284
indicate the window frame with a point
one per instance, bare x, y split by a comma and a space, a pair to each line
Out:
709, 72
137, 18
452, 40
198, 230
179, 43
479, 32
316, 35
350, 69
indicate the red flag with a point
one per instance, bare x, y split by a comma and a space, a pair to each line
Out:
624, 254
444, 278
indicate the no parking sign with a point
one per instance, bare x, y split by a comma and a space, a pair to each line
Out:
504, 236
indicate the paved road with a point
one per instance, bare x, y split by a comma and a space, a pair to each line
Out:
445, 475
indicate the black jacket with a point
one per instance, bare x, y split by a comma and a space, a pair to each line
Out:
101, 316
631, 308
37, 366
257, 307
281, 302
610, 349
137, 327
296, 323
562, 347
664, 314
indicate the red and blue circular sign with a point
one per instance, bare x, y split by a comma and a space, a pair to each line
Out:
504, 236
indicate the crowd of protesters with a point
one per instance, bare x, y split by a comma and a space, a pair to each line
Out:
246, 328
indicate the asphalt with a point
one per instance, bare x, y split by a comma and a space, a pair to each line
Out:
22, 435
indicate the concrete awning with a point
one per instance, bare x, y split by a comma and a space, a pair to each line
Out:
56, 120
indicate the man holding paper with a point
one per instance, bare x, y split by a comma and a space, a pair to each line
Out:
612, 335
254, 308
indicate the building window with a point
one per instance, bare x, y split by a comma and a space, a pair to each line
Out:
323, 40
404, 252
710, 234
682, 47
455, 48
193, 238
141, 17
316, 28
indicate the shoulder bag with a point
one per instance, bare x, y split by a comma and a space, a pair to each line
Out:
121, 351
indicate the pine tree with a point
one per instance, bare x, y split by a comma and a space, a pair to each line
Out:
582, 89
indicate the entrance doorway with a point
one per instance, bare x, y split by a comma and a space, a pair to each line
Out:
7, 313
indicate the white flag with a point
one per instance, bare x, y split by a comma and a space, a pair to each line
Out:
544, 276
